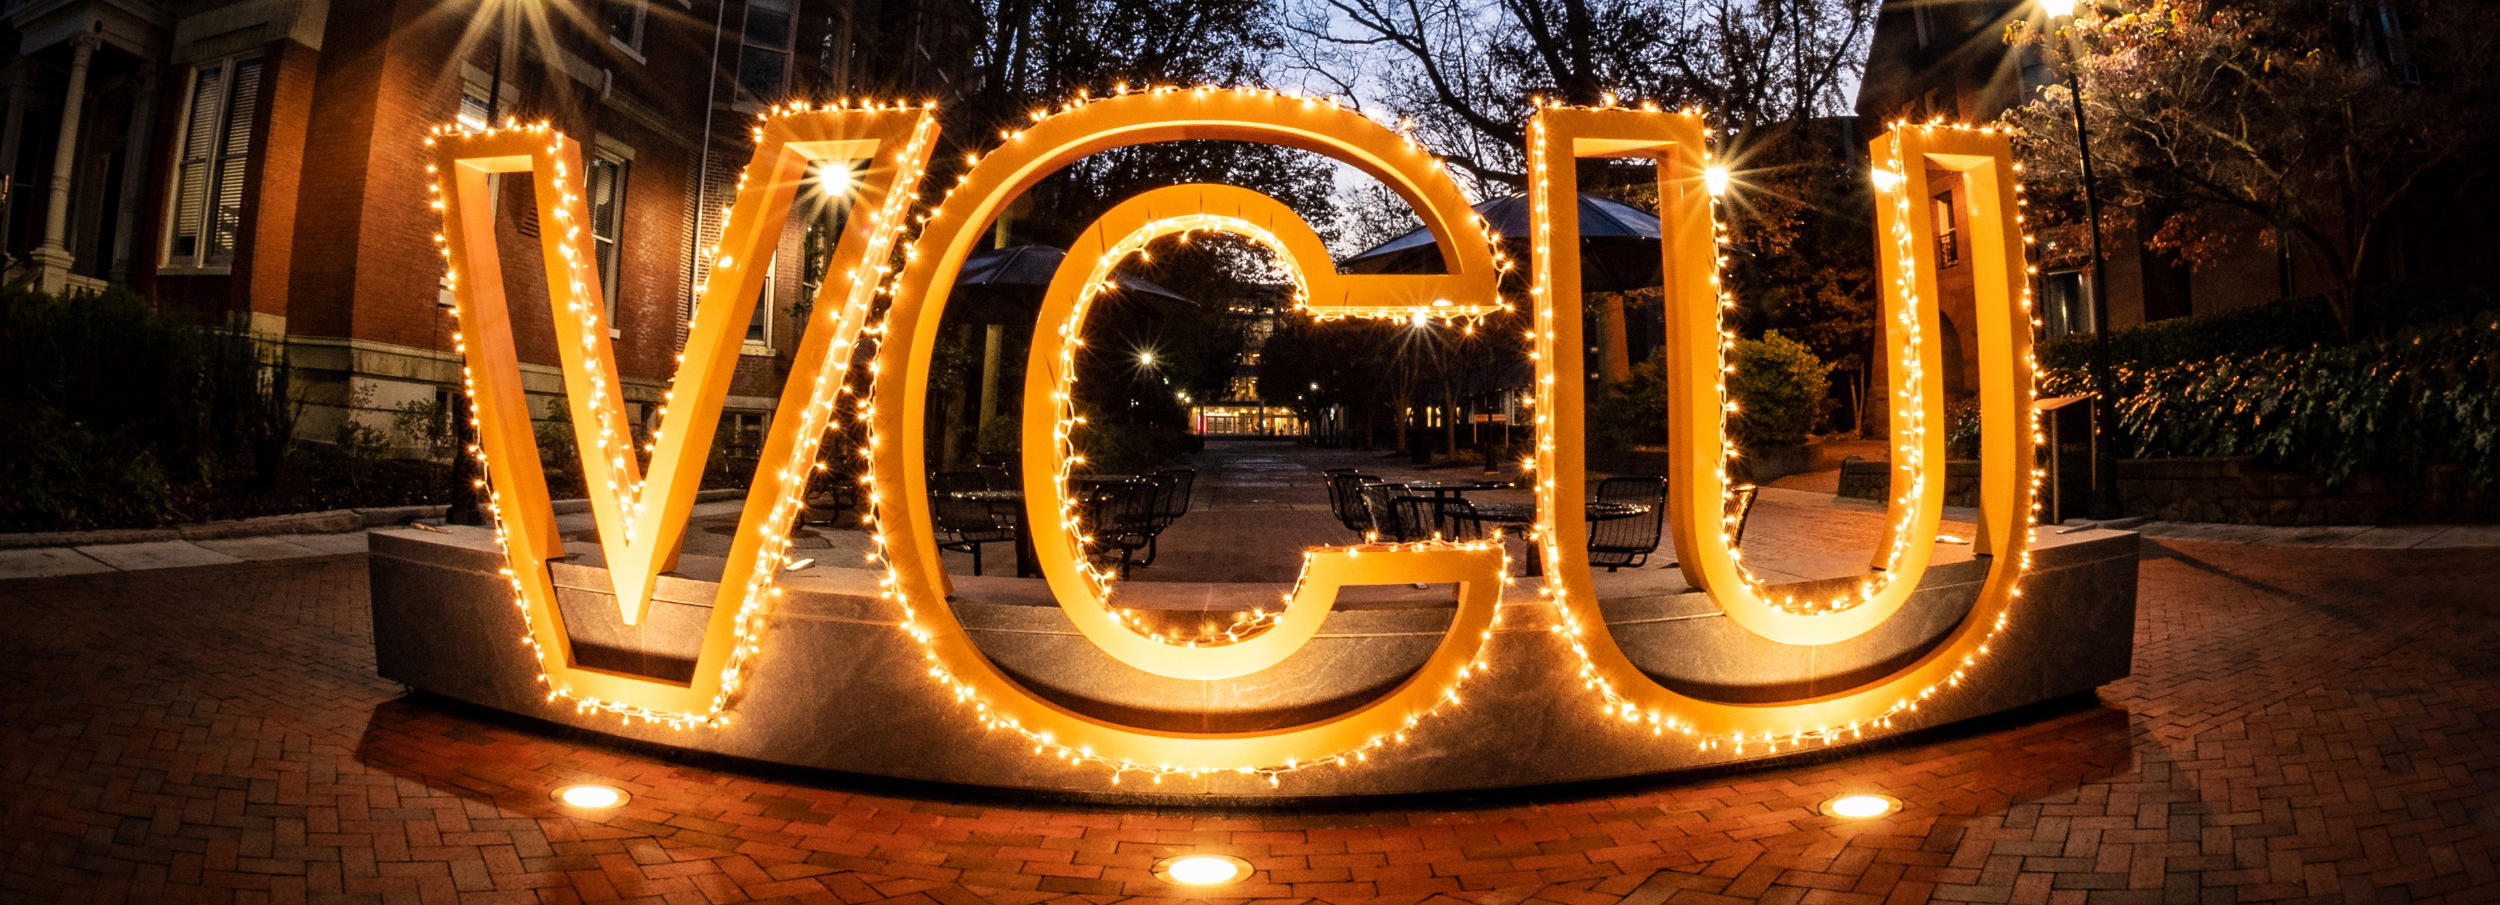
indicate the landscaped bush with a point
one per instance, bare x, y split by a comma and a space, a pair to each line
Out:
120, 413
1780, 390
2288, 324
1114, 446
1779, 387
1631, 412
2396, 406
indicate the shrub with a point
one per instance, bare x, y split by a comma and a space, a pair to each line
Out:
1001, 437
1631, 412
2397, 405
1780, 390
118, 405
2289, 324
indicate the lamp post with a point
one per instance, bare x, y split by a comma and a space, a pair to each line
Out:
2105, 504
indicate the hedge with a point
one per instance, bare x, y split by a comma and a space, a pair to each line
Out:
2396, 406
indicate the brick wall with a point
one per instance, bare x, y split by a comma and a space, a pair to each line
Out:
330, 211
267, 256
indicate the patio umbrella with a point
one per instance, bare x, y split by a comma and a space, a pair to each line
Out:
1618, 244
1005, 285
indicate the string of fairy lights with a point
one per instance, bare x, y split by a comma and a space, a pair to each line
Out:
1641, 708
995, 717
875, 277
612, 445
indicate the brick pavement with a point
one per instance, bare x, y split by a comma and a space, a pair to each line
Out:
2303, 725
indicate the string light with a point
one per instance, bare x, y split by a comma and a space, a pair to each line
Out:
636, 545
914, 580
1627, 694
910, 577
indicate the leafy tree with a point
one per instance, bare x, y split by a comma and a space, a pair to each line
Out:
1039, 55
1771, 73
1466, 73
2317, 119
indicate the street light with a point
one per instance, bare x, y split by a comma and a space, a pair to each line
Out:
2105, 503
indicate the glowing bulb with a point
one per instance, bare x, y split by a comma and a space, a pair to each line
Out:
1202, 869
591, 796
1861, 806
1886, 180
1716, 179
2058, 9
834, 178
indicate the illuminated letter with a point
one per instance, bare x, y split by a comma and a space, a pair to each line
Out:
1697, 406
641, 521
918, 581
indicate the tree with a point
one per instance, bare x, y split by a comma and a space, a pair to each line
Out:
2316, 119
1040, 54
1466, 73
1772, 74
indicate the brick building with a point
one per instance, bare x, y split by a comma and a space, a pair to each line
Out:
265, 160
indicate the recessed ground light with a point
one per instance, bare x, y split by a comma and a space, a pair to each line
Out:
1202, 869
1861, 805
591, 796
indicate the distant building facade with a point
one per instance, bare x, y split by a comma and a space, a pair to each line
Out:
1242, 411
264, 160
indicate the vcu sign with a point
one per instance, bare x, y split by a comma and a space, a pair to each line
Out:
642, 514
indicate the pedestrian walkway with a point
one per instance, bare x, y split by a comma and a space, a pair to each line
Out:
2298, 728
1260, 503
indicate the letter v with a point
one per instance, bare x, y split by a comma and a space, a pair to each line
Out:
641, 522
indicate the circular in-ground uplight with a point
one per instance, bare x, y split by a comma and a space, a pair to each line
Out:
590, 796
1201, 869
1861, 805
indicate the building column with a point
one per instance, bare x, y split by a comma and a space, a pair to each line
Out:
21, 77
53, 256
138, 169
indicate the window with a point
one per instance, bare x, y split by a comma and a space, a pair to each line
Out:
622, 20
1948, 240
2063, 307
764, 54
759, 338
607, 225
472, 114
215, 146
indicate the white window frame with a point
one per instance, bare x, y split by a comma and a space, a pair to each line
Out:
763, 312
606, 150
1945, 217
195, 263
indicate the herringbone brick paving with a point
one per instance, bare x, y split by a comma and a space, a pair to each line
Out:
2300, 727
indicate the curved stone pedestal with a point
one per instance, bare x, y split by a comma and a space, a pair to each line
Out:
838, 686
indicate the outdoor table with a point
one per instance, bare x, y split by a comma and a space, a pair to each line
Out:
1454, 488
1525, 513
